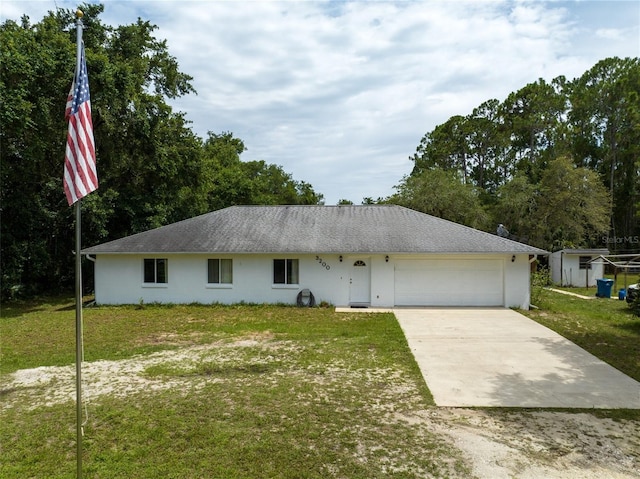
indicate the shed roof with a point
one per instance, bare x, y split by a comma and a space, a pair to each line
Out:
314, 229
585, 251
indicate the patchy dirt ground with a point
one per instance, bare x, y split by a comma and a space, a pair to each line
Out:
495, 443
535, 445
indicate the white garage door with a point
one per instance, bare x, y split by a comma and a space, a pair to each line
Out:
446, 282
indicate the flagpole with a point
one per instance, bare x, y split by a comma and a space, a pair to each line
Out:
79, 348
80, 178
78, 345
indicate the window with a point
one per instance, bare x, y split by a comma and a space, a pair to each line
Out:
584, 262
155, 270
285, 271
220, 271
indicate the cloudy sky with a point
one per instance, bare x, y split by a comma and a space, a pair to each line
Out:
340, 93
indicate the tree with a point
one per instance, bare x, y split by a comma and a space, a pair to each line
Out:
516, 206
486, 146
32, 80
446, 148
505, 149
572, 208
152, 168
145, 153
229, 181
568, 208
533, 116
368, 200
604, 130
441, 193
307, 195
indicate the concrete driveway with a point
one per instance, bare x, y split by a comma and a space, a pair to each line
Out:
496, 357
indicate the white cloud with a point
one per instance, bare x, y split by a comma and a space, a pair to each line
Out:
610, 33
340, 93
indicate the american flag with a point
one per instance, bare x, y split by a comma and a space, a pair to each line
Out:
80, 176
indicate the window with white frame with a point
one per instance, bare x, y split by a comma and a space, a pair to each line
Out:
220, 271
285, 271
155, 270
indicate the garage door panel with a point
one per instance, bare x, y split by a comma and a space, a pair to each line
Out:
449, 283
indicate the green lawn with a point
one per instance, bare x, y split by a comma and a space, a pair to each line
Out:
278, 392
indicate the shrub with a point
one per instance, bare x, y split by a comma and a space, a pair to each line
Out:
540, 279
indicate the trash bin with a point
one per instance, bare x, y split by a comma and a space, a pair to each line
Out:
604, 288
622, 294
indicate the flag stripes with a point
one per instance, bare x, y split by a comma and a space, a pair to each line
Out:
80, 177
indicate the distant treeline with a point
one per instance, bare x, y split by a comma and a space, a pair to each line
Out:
558, 164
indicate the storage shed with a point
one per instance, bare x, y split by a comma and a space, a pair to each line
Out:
573, 267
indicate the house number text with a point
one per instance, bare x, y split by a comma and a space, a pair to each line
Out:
323, 263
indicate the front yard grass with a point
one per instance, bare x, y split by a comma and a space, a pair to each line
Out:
277, 392
274, 392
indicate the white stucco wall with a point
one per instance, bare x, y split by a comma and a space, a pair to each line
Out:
119, 279
517, 285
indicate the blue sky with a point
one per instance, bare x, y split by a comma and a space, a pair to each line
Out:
340, 93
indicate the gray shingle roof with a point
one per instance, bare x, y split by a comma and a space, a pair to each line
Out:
314, 229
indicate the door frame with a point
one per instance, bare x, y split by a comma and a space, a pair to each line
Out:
360, 284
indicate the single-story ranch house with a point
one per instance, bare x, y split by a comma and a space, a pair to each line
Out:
370, 255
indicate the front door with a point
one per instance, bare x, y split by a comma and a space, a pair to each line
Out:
360, 283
